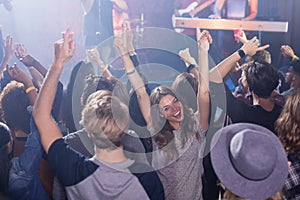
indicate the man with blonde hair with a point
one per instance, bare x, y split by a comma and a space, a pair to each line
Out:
107, 175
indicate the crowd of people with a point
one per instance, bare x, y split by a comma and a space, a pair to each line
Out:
106, 155
102, 138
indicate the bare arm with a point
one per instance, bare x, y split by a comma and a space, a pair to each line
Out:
200, 7
28, 60
287, 51
9, 49
133, 76
203, 85
37, 71
253, 10
94, 56
217, 9
18, 75
221, 70
48, 129
190, 62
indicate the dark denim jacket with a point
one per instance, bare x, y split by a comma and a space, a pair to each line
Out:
24, 181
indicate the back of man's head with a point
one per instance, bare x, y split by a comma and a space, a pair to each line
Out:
262, 56
14, 101
262, 79
105, 119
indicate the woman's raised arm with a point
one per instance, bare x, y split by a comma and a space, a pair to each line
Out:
123, 44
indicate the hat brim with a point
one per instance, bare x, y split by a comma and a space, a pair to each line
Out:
235, 182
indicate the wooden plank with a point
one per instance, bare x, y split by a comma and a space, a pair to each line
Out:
227, 24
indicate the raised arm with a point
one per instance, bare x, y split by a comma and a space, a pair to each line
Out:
190, 62
18, 75
94, 56
203, 101
241, 36
253, 10
122, 44
28, 60
48, 129
9, 49
287, 51
221, 70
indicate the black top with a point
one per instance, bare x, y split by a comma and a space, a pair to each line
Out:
98, 22
239, 111
73, 167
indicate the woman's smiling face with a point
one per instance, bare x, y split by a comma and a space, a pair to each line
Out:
172, 109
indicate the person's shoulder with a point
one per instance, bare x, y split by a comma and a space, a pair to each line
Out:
143, 171
140, 168
149, 179
277, 107
70, 165
277, 110
279, 100
74, 135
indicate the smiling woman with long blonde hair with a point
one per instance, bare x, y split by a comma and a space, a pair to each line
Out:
178, 133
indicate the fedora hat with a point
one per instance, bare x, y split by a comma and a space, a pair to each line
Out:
249, 160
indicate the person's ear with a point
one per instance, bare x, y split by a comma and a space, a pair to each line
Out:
289, 164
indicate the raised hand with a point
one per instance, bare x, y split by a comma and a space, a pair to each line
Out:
241, 36
94, 56
204, 39
9, 47
287, 51
21, 51
124, 43
18, 75
22, 54
64, 48
252, 46
186, 57
119, 44
128, 36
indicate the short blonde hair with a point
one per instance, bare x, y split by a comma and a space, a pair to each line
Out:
105, 119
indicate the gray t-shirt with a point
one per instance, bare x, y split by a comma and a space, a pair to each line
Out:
109, 181
181, 177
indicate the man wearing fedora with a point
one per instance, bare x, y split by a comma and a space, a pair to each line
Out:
249, 161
